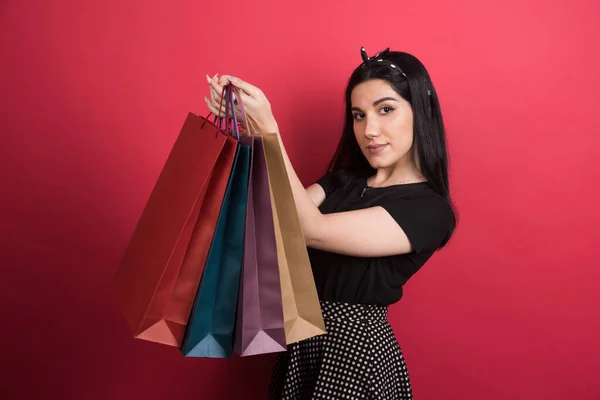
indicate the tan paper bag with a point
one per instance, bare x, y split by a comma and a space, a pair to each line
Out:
301, 307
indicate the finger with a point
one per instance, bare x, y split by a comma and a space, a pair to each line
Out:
240, 98
218, 106
247, 88
214, 109
214, 85
216, 90
214, 96
218, 100
224, 80
211, 107
214, 78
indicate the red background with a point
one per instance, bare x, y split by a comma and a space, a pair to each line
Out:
93, 95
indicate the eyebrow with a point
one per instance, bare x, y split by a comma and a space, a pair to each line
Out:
375, 103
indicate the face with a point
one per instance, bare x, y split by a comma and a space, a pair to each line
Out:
383, 125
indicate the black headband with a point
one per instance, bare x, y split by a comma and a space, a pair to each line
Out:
379, 57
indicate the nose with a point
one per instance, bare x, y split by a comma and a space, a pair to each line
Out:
371, 128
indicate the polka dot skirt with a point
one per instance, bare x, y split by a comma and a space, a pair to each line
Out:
358, 358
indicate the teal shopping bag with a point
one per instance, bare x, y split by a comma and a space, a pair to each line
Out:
210, 329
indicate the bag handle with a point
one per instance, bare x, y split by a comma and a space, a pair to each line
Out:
224, 98
250, 127
219, 125
228, 96
233, 113
247, 122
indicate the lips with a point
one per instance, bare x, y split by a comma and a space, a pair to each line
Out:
376, 148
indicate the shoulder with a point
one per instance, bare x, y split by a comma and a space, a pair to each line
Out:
421, 201
428, 202
419, 195
336, 179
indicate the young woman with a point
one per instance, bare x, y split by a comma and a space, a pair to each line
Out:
371, 222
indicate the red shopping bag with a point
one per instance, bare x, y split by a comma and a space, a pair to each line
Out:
157, 279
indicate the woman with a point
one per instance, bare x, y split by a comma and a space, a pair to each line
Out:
371, 222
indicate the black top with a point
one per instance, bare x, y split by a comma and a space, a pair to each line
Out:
422, 214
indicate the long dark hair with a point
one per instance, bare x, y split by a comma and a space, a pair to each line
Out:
411, 81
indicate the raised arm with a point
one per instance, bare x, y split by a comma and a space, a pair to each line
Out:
371, 232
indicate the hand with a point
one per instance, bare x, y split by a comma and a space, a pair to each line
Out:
256, 105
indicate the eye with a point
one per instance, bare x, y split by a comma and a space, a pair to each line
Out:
359, 116
387, 109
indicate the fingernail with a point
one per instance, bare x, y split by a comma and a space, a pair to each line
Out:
231, 79
215, 77
207, 78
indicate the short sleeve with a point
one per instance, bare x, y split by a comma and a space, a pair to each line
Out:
426, 221
326, 182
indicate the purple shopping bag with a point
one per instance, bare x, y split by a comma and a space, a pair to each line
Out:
260, 325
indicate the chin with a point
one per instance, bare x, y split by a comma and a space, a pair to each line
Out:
379, 162
388, 160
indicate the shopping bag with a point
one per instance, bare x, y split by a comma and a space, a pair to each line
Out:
301, 306
260, 325
158, 276
210, 330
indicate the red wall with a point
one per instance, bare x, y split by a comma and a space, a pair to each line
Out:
93, 95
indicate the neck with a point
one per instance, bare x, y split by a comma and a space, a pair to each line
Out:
396, 175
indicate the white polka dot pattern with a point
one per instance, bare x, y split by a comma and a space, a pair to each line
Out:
358, 358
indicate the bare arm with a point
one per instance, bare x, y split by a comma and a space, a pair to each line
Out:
371, 232
316, 193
